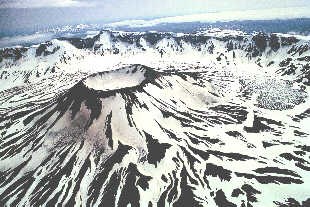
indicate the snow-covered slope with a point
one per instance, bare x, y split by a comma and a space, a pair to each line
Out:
288, 55
219, 118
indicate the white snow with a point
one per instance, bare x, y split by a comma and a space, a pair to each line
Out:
113, 80
223, 84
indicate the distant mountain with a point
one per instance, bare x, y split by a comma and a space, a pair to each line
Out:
299, 26
284, 54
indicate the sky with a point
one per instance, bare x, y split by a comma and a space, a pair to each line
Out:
23, 15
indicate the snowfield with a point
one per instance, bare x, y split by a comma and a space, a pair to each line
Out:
215, 118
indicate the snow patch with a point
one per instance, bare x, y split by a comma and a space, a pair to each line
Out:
113, 80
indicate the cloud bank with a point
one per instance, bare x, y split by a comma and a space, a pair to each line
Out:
262, 14
7, 4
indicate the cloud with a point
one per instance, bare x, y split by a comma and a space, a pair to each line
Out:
6, 4
24, 39
260, 14
44, 14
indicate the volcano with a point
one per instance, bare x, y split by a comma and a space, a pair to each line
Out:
206, 119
